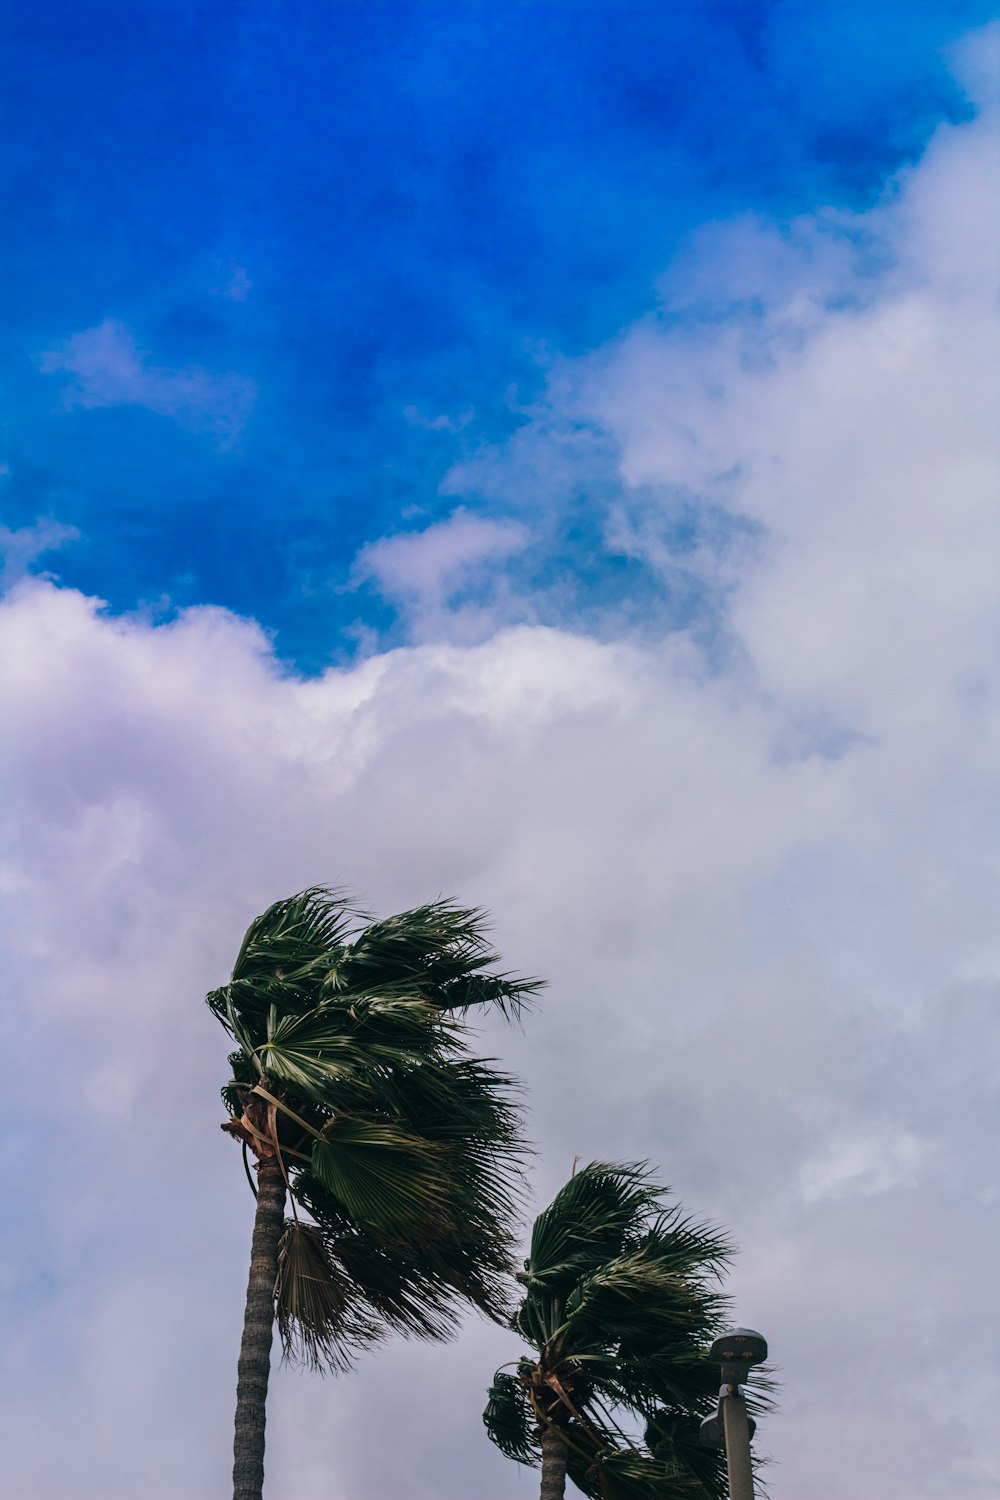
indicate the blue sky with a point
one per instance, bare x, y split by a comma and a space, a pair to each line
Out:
335, 250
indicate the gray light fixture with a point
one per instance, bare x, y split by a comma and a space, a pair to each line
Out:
737, 1352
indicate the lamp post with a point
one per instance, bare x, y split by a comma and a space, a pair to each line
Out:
737, 1352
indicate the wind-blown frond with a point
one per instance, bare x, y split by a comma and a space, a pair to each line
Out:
319, 1318
285, 951
622, 1300
461, 1256
318, 1051
416, 1288
675, 1438
589, 1220
310, 949
642, 1299
509, 1419
619, 1472
352, 1058
442, 947
387, 1179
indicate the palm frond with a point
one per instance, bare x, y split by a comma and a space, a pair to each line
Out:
234, 1093
400, 1288
312, 922
319, 1051
462, 1260
643, 1300
316, 1306
293, 933
285, 952
387, 1179
396, 1288
622, 1299
677, 1374
510, 1421
441, 947
689, 1245
621, 1472
588, 1221
351, 1033
674, 1436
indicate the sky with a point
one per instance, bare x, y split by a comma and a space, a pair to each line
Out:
546, 455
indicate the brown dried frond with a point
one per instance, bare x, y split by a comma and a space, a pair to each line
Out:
318, 1320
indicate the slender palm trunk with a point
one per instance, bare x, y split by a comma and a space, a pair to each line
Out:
258, 1330
553, 1465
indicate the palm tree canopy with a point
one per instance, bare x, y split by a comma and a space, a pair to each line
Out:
401, 1149
622, 1299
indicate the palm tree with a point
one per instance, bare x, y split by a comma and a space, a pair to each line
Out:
355, 1092
621, 1302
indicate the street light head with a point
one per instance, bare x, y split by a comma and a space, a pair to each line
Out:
737, 1351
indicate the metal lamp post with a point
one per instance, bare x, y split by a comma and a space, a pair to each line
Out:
737, 1352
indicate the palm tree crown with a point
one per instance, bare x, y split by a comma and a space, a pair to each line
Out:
621, 1302
354, 1088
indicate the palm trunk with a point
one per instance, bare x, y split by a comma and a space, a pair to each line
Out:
258, 1331
553, 1465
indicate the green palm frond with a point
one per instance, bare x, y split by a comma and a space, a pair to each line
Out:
675, 1375
444, 949
674, 1437
318, 1051
440, 935
403, 1148
510, 1421
620, 1472
285, 950
689, 1245
234, 1093
387, 1179
509, 994
588, 1221
621, 1302
311, 924
462, 1099
464, 1259
642, 1299
312, 948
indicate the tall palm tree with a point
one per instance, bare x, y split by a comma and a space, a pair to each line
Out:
621, 1302
354, 1091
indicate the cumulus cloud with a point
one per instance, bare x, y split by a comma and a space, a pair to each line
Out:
744, 989
764, 892
104, 366
21, 546
850, 423
430, 574
805, 425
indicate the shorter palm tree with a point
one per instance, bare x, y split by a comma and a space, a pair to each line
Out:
621, 1302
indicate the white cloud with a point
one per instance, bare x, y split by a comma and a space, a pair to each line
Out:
862, 1163
423, 572
854, 422
105, 367
689, 897
23, 545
